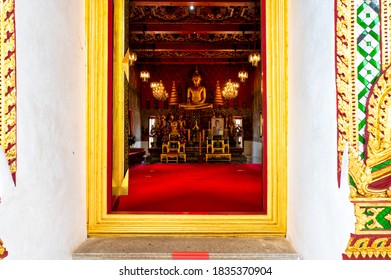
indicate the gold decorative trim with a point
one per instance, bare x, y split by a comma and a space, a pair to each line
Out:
366, 212
363, 220
370, 240
8, 82
361, 175
362, 178
369, 247
378, 147
345, 76
100, 223
382, 173
385, 33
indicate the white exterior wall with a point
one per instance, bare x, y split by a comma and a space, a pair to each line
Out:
320, 216
44, 216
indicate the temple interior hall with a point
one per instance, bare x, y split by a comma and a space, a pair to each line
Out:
165, 47
191, 93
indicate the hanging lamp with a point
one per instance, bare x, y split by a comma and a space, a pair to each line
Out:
144, 74
255, 56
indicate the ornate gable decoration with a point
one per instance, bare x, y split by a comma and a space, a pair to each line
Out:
363, 78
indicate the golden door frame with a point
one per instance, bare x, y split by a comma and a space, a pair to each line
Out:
102, 223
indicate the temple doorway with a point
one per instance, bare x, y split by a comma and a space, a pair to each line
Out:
107, 145
192, 104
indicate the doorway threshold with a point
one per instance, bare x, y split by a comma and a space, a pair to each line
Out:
168, 248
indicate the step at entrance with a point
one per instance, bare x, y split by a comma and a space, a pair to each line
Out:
166, 248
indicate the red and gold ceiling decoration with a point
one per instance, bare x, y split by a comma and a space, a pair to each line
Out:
171, 32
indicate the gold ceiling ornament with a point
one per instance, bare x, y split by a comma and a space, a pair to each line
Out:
230, 90
8, 83
158, 90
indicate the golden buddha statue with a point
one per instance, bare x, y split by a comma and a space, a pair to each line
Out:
173, 125
182, 122
196, 95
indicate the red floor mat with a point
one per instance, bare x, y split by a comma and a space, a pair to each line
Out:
194, 189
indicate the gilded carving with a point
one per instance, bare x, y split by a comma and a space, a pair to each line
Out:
3, 251
369, 247
146, 40
388, 217
385, 33
370, 171
170, 37
7, 83
361, 175
196, 54
364, 220
378, 121
199, 14
345, 76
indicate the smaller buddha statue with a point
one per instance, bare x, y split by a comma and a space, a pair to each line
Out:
196, 95
163, 122
181, 121
195, 131
196, 127
173, 125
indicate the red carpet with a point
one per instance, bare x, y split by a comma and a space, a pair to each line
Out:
194, 189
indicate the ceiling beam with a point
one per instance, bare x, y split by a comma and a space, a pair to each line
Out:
193, 46
181, 61
194, 28
210, 3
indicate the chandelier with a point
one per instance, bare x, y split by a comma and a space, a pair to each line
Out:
230, 90
158, 90
254, 58
144, 75
242, 75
